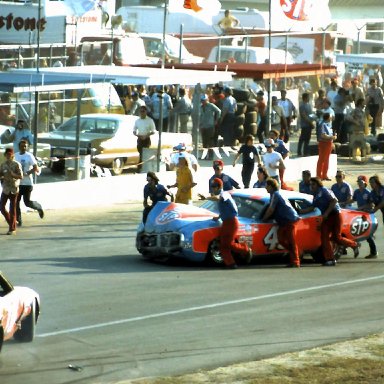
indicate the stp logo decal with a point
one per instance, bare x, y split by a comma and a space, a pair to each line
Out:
359, 226
296, 9
167, 216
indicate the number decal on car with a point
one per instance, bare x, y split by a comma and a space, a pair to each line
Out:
271, 241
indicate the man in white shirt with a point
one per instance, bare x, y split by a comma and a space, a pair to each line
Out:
273, 161
289, 110
29, 167
144, 127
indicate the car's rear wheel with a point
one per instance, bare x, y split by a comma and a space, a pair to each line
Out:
318, 256
27, 331
213, 255
117, 166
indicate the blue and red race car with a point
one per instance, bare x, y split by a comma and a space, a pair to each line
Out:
189, 232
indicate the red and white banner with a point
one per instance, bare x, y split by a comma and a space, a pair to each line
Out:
299, 14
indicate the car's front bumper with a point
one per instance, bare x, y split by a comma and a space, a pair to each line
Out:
159, 244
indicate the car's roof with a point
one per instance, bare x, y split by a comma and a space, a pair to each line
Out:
262, 194
108, 116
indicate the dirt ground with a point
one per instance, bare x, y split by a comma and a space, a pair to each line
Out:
359, 361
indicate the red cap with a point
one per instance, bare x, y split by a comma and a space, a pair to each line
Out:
9, 150
217, 163
362, 178
217, 182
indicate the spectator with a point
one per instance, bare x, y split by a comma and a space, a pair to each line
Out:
228, 21
29, 167
144, 127
289, 110
21, 133
377, 194
228, 214
361, 196
342, 190
273, 161
155, 107
261, 115
356, 92
339, 105
325, 139
250, 156
332, 92
136, 104
286, 218
228, 182
227, 118
320, 103
154, 192
278, 121
10, 174
375, 103
307, 119
326, 202
183, 107
209, 117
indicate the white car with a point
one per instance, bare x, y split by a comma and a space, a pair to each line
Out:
19, 311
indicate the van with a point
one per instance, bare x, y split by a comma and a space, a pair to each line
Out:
153, 43
254, 55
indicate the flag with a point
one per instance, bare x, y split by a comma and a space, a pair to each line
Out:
299, 14
68, 7
201, 9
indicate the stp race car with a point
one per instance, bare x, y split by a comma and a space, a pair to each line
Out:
19, 311
189, 232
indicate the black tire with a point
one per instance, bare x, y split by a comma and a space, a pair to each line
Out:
57, 166
250, 117
117, 166
27, 331
318, 254
238, 132
240, 119
241, 95
250, 129
213, 256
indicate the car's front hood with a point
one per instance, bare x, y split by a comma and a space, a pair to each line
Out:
165, 217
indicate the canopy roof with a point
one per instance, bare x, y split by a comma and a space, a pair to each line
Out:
145, 76
259, 71
18, 81
366, 58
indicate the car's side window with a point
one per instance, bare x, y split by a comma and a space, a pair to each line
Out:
298, 204
106, 127
88, 126
69, 126
249, 208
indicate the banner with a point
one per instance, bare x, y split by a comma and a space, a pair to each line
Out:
68, 7
202, 9
299, 15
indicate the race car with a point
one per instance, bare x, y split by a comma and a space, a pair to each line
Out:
19, 311
184, 231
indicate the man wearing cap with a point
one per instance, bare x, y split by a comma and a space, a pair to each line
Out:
227, 119
144, 127
228, 182
361, 196
181, 151
10, 175
136, 104
228, 214
154, 192
287, 218
209, 118
273, 161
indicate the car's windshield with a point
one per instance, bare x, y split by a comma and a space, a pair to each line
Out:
247, 207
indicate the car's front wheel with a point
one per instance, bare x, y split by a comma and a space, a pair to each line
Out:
117, 166
27, 331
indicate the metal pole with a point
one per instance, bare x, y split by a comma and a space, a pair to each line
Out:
268, 125
38, 36
77, 152
181, 43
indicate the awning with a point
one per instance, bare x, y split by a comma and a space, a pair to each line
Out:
366, 58
18, 81
257, 71
145, 76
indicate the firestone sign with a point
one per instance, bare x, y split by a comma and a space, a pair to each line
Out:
18, 23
